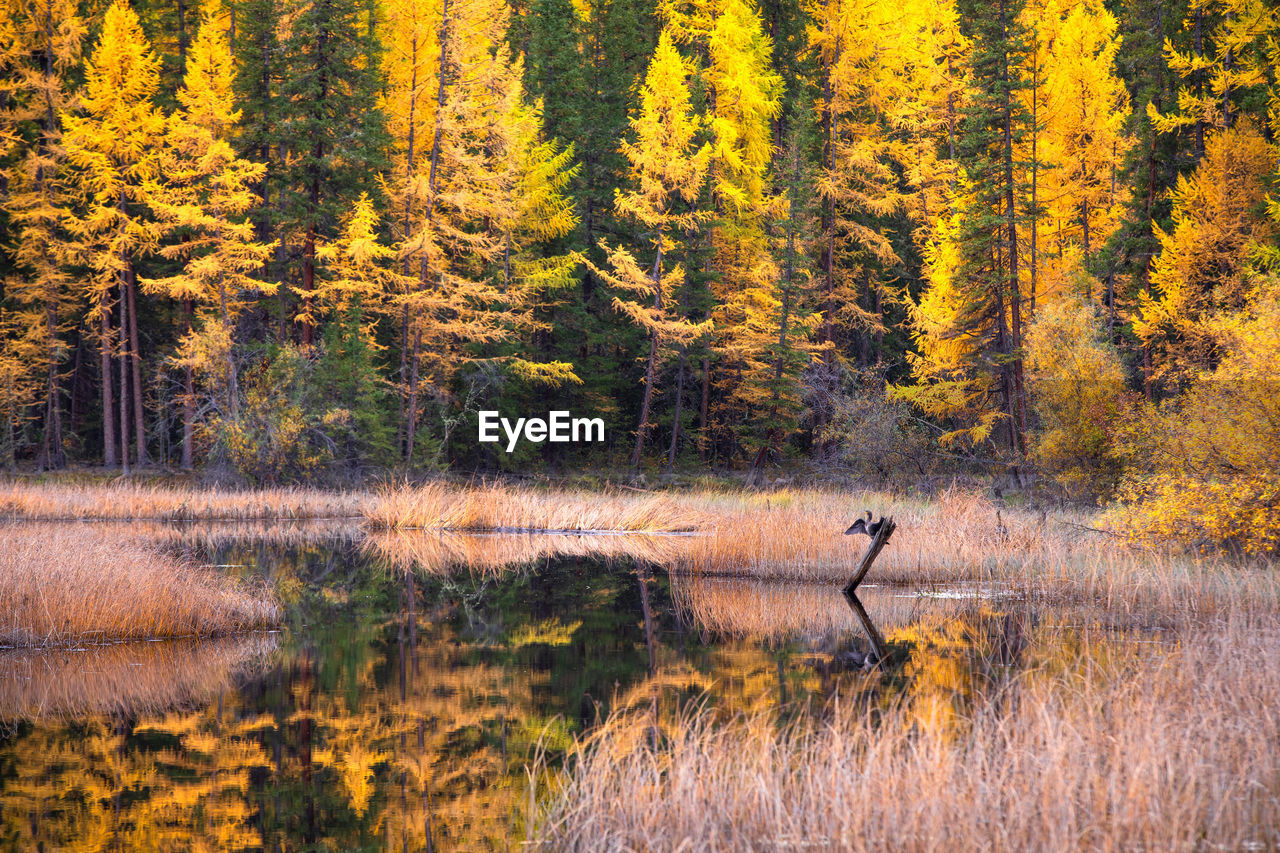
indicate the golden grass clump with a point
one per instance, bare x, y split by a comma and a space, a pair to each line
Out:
63, 585
58, 502
1170, 750
442, 551
487, 508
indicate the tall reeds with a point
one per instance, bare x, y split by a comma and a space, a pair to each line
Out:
488, 508
1142, 751
63, 585
125, 679
127, 501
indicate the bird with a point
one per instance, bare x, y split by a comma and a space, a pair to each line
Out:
865, 525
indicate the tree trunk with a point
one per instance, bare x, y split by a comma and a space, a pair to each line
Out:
703, 405
52, 455
412, 428
308, 285
124, 375
1015, 299
139, 426
675, 423
649, 369
423, 271
108, 404
188, 399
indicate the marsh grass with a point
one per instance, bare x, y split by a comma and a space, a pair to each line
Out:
489, 508
1141, 750
125, 679
439, 552
127, 501
67, 585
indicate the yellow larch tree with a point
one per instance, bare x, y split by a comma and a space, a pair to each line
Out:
411, 64
1081, 117
41, 43
923, 82
114, 143
744, 97
857, 184
202, 193
667, 172
1214, 81
947, 388
462, 197
356, 265
1203, 268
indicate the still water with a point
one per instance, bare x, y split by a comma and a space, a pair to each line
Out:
413, 687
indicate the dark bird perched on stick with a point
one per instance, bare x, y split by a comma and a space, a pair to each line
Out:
865, 525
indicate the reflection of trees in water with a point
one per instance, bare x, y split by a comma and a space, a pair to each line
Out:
403, 710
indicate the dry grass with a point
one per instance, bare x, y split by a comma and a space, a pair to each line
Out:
963, 538
125, 679
440, 551
1145, 750
62, 585
56, 502
504, 508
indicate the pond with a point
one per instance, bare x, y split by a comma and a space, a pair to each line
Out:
416, 687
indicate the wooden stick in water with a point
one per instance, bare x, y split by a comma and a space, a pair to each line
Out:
873, 550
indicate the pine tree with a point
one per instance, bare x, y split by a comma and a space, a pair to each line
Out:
994, 126
331, 124
259, 67
350, 294
202, 195
114, 144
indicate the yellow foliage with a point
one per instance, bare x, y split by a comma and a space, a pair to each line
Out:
1203, 266
1076, 381
1205, 468
114, 144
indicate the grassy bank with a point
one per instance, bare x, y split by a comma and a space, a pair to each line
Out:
64, 585
1150, 751
489, 508
129, 501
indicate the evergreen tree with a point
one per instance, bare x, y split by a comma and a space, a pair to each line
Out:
331, 124
993, 128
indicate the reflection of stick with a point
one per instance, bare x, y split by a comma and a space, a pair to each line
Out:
877, 642
873, 550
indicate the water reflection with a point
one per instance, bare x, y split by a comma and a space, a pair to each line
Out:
419, 676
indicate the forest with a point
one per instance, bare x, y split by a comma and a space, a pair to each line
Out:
310, 240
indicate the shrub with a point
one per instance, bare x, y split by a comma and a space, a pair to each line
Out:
1075, 379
